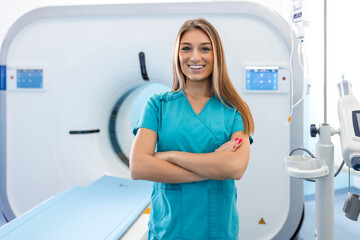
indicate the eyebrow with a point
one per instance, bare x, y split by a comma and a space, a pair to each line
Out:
205, 43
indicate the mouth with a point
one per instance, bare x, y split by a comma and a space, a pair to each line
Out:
196, 67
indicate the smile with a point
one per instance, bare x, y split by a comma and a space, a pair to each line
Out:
196, 67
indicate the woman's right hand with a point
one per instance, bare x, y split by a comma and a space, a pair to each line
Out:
230, 146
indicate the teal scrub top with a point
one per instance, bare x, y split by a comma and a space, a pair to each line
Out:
197, 210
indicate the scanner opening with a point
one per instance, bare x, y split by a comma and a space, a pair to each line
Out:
125, 114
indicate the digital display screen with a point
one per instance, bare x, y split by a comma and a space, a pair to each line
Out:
356, 122
29, 78
262, 79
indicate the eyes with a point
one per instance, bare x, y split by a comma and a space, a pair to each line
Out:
189, 49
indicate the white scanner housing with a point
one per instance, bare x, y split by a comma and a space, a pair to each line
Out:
88, 57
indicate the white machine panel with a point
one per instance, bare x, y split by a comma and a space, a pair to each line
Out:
91, 56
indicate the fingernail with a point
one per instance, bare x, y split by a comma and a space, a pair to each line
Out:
234, 146
236, 139
240, 141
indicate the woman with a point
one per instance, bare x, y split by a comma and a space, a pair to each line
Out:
201, 128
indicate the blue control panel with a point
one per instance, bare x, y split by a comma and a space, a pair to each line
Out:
29, 78
262, 79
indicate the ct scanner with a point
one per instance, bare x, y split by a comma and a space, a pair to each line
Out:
72, 88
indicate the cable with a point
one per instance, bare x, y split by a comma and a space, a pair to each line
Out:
298, 27
339, 169
291, 71
300, 52
308, 85
302, 149
349, 177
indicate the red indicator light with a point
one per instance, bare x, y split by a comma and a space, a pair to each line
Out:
284, 78
12, 77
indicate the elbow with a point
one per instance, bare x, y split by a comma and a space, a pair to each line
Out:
238, 175
135, 173
238, 170
235, 173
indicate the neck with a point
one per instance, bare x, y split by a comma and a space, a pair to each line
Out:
198, 89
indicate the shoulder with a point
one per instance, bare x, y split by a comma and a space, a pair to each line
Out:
230, 112
227, 108
166, 96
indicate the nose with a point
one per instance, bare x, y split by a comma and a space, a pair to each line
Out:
195, 56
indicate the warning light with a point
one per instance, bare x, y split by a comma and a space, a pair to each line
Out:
262, 221
12, 77
283, 78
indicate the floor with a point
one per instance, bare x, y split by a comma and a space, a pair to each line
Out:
345, 229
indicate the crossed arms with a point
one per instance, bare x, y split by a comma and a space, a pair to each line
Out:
226, 162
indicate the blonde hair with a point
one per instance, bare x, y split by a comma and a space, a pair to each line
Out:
220, 81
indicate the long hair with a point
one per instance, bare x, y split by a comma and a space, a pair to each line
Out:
221, 83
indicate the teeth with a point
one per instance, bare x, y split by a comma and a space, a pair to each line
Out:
196, 66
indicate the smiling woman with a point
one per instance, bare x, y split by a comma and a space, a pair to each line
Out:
201, 128
196, 56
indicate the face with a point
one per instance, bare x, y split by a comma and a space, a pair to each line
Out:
196, 55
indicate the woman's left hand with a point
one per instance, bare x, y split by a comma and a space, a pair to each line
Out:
230, 146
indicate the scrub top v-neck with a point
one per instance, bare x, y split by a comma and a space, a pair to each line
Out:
198, 210
191, 107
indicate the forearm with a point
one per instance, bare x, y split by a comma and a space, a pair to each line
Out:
146, 167
216, 165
